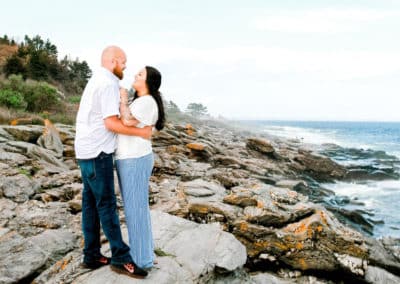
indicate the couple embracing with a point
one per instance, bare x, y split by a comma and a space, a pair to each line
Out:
107, 123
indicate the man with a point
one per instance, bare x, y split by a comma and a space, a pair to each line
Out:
96, 124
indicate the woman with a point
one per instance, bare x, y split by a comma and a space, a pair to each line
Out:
134, 161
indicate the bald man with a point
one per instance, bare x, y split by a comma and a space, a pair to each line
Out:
97, 123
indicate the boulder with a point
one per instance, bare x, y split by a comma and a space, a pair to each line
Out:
216, 252
45, 158
260, 145
319, 167
50, 139
18, 188
24, 133
23, 257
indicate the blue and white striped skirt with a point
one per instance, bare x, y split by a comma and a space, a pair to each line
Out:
133, 177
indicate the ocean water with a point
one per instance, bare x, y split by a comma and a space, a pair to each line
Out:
381, 199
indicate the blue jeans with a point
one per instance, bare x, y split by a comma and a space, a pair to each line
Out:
99, 205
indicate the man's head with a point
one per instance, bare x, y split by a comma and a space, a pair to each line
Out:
113, 59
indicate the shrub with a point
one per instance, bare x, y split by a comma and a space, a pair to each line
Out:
12, 99
74, 99
41, 96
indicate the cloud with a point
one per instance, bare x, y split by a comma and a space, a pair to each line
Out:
319, 21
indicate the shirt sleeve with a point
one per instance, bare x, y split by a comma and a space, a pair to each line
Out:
109, 101
144, 110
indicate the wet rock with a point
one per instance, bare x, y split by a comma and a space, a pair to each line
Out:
319, 167
362, 174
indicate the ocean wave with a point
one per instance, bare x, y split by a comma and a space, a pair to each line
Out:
307, 135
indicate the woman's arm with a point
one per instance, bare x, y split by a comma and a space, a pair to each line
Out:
126, 116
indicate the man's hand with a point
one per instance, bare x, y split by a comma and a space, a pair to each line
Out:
148, 132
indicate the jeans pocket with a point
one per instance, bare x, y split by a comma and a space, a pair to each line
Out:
88, 169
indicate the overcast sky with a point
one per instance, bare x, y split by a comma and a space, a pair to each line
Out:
284, 60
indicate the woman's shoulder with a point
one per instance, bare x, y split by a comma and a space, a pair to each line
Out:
147, 100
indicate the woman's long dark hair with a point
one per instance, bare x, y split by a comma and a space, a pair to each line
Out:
153, 82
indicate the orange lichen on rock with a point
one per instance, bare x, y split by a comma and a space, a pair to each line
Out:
303, 264
299, 246
244, 226
199, 208
195, 146
64, 264
189, 129
260, 204
323, 217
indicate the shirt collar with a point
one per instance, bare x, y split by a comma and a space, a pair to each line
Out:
109, 74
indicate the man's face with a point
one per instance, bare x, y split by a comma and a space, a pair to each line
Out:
120, 65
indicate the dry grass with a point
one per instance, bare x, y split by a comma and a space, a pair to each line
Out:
7, 116
5, 52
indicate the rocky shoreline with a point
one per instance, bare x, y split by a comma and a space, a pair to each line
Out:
228, 206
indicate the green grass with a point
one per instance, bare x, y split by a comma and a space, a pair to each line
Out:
160, 252
74, 99
25, 172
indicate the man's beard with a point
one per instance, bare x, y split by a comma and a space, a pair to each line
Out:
118, 72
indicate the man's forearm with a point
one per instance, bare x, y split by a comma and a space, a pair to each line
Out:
115, 125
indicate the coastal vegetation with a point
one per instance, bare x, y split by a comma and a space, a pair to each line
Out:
34, 82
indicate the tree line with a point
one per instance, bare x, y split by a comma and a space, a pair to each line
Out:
37, 59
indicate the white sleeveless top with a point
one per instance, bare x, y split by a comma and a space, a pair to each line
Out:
145, 110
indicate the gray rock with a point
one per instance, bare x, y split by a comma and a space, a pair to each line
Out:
50, 139
18, 188
379, 275
195, 253
260, 145
24, 133
20, 258
7, 210
32, 217
167, 271
213, 247
56, 243
45, 157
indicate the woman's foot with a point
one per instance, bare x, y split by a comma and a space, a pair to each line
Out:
130, 269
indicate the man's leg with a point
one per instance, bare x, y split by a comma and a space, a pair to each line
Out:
90, 219
106, 203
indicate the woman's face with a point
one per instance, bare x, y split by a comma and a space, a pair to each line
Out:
140, 80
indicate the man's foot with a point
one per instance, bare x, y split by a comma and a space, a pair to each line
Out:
130, 269
103, 260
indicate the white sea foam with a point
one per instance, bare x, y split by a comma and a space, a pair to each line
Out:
313, 136
380, 198
307, 135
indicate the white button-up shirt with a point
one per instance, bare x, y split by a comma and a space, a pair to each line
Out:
100, 100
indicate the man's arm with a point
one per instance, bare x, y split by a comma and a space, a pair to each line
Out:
114, 124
